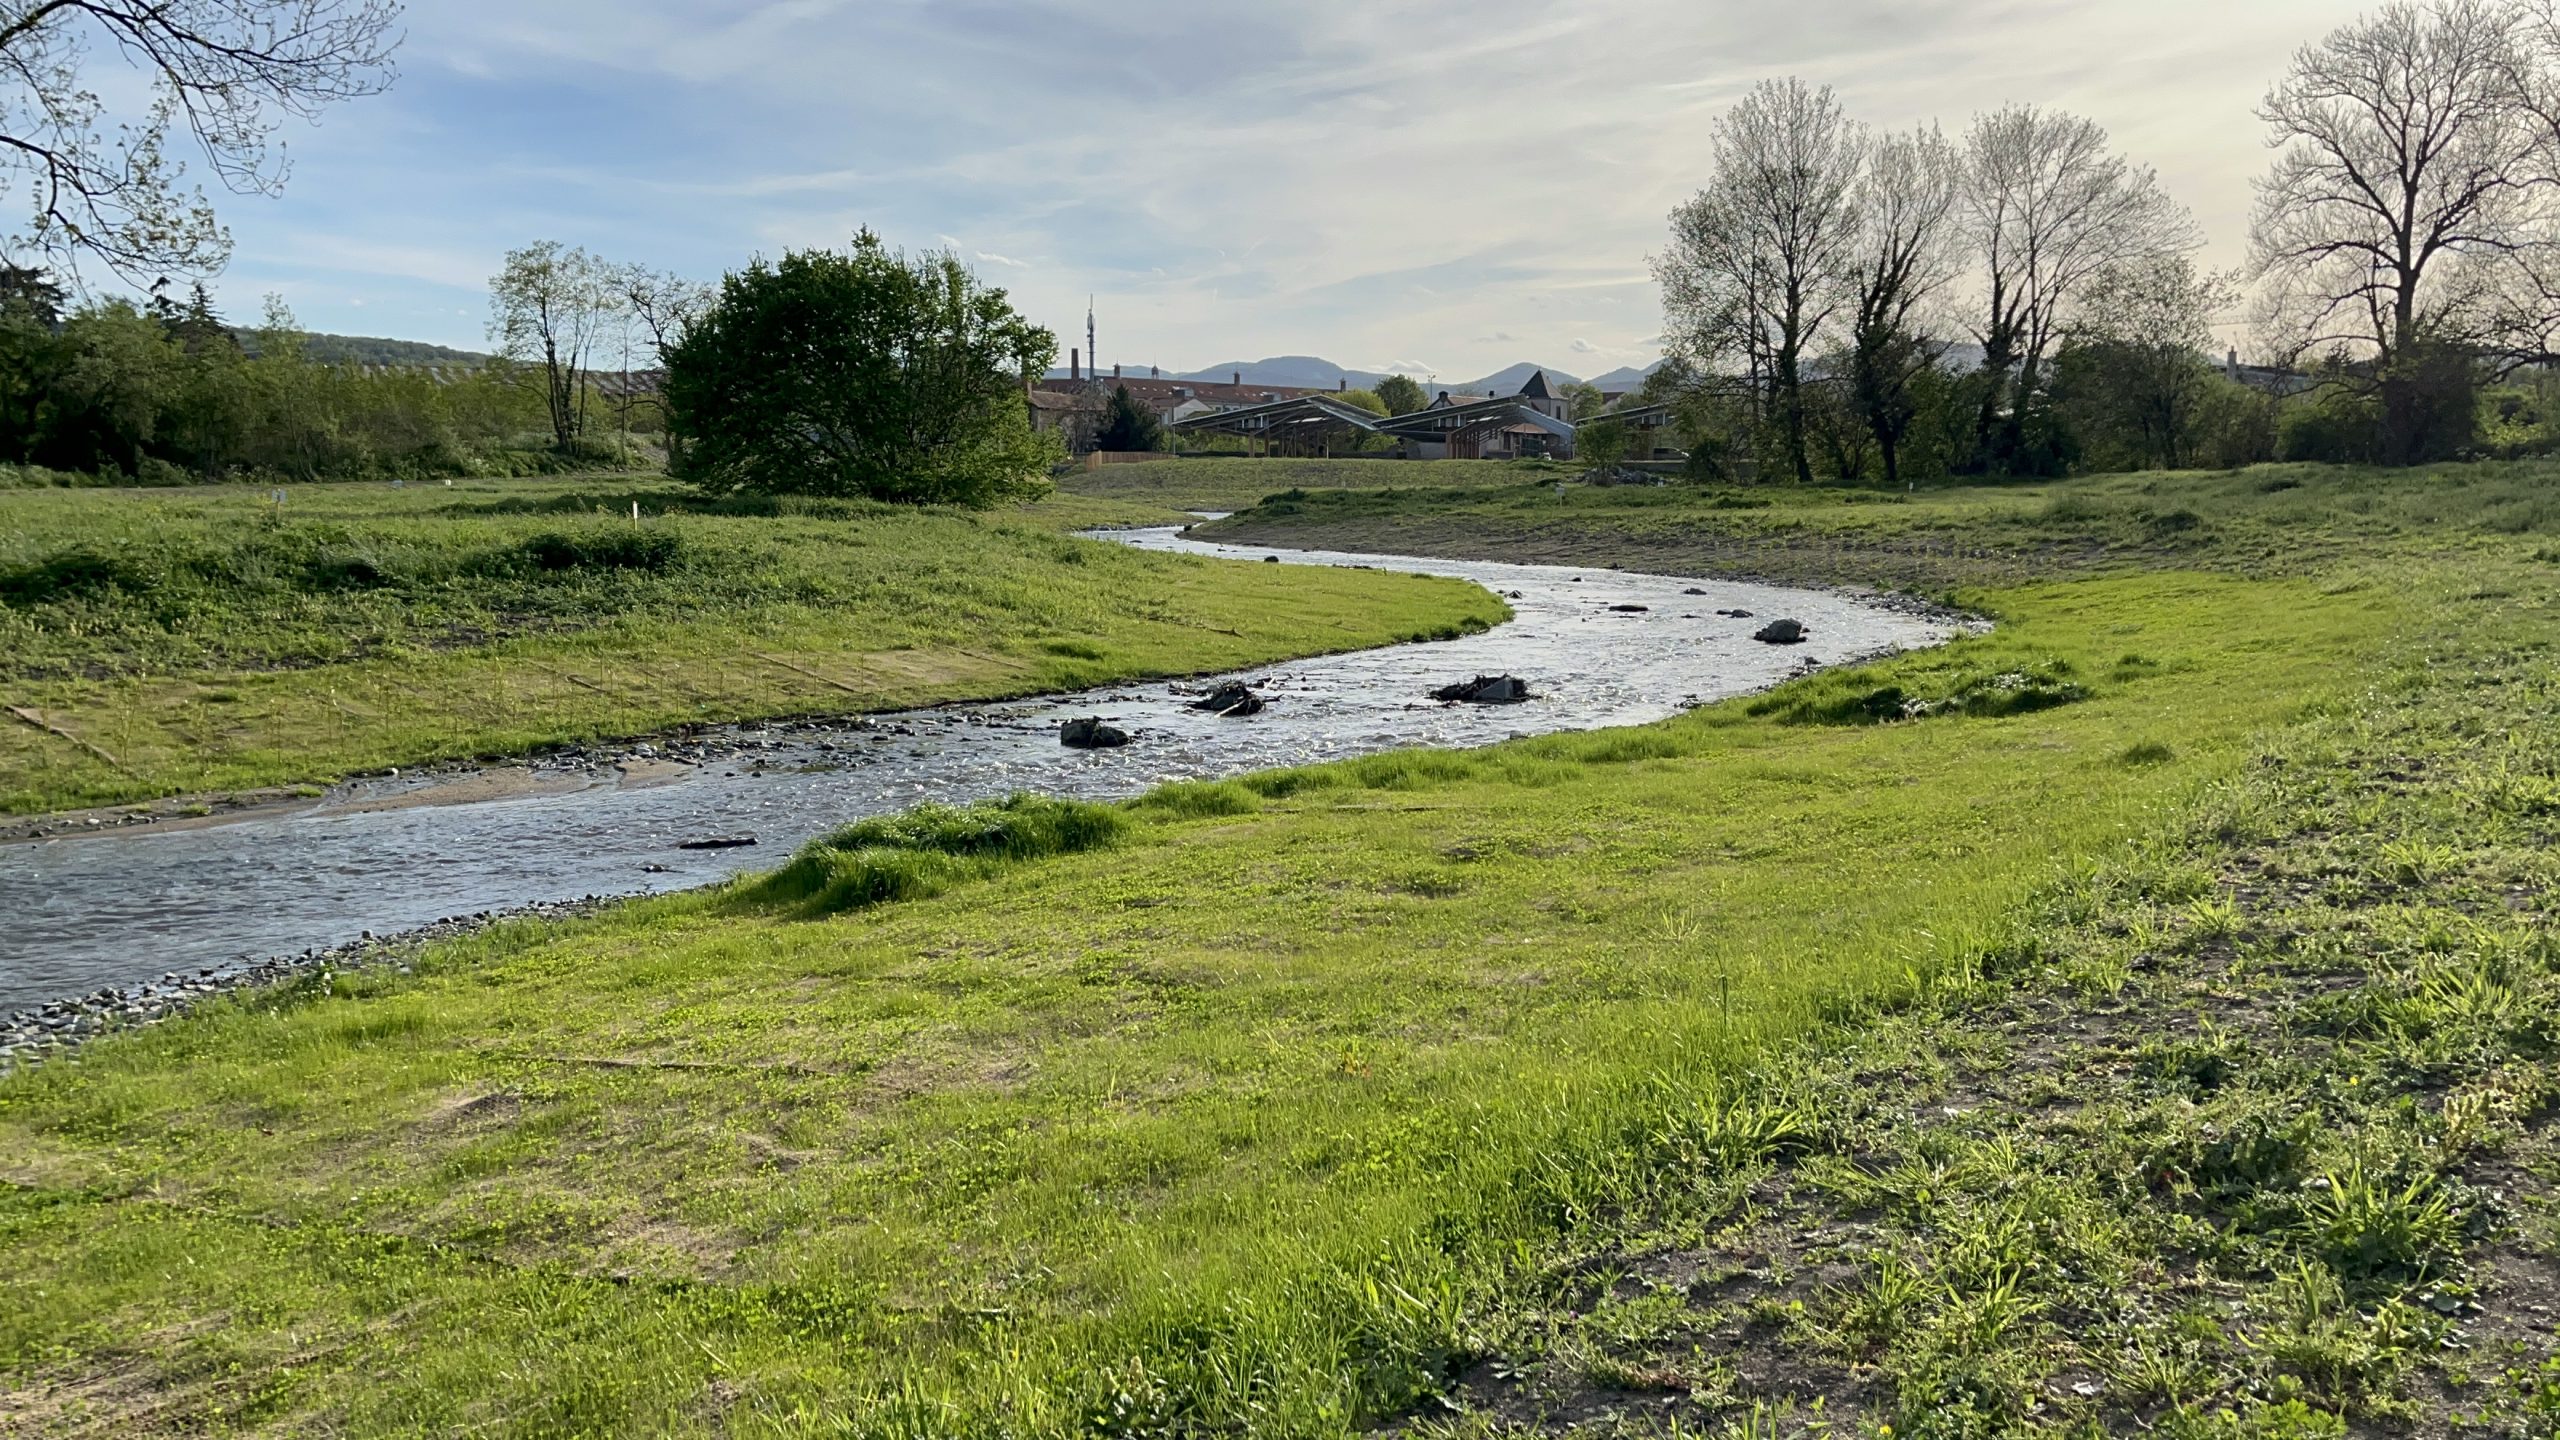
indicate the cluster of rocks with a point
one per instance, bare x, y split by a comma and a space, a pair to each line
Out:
1485, 690
56, 1029
1232, 700
1091, 733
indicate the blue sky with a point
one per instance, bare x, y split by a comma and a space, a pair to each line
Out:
1437, 187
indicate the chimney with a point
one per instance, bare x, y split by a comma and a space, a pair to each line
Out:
2231, 365
1238, 380
1115, 372
1075, 364
1341, 383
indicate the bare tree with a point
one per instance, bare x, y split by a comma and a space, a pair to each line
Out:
2050, 206
1906, 207
1757, 258
552, 305
663, 304
230, 70
2401, 192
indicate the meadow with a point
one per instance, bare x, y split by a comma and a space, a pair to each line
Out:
2140, 1028
198, 641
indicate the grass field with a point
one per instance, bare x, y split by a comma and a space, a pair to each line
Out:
171, 642
2271, 517
2169, 1052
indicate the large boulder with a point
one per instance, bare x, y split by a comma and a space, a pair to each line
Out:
1091, 734
1782, 632
1485, 690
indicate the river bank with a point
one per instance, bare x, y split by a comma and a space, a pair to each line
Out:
1601, 648
208, 642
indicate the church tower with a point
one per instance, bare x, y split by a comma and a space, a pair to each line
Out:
1092, 351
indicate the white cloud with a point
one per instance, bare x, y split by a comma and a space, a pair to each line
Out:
1259, 177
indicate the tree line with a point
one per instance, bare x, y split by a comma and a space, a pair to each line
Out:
2022, 298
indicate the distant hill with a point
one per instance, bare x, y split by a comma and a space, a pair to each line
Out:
370, 350
1625, 377
1307, 372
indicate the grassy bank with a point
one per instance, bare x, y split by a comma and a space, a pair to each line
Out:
2268, 518
2135, 1037
208, 639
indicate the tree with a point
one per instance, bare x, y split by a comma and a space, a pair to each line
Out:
551, 305
1128, 425
2401, 190
1756, 257
1402, 395
1906, 205
2049, 208
661, 304
230, 70
860, 373
1582, 401
2137, 358
1602, 445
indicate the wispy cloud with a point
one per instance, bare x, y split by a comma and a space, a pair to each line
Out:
1258, 177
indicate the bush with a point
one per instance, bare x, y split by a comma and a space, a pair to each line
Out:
860, 374
607, 548
73, 574
2330, 426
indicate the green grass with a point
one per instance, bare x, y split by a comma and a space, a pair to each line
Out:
208, 640
1282, 1105
2267, 518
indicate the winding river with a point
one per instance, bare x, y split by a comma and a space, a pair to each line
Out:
78, 913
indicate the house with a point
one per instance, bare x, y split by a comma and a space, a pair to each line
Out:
1455, 427
1074, 416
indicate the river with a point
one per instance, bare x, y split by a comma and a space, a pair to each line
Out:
122, 906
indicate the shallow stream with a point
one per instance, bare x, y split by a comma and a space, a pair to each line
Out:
79, 913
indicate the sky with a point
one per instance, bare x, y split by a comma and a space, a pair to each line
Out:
1431, 187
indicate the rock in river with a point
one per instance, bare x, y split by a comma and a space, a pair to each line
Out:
1781, 632
1091, 734
1234, 699
1486, 690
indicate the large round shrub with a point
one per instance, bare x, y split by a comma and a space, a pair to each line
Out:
860, 374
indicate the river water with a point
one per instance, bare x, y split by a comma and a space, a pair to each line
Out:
80, 913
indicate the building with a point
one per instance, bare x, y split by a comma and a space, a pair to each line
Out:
1451, 427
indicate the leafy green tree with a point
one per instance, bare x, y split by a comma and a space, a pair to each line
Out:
1402, 395
1368, 400
1128, 425
860, 373
550, 305
1602, 444
2133, 380
1582, 401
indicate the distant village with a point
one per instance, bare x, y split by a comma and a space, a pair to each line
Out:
1265, 419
